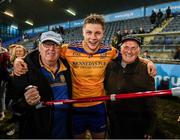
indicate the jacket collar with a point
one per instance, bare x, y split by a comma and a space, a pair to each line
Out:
130, 68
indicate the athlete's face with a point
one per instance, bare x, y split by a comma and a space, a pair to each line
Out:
93, 35
130, 50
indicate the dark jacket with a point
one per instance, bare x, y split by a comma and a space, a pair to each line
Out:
125, 114
34, 123
4, 62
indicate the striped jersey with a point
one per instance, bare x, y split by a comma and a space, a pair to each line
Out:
87, 70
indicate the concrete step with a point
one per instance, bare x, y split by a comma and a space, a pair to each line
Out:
157, 30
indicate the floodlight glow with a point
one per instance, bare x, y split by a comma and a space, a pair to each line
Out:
71, 12
9, 13
29, 22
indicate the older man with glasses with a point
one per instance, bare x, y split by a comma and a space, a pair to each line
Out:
47, 79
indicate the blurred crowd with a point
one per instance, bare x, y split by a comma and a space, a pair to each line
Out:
7, 57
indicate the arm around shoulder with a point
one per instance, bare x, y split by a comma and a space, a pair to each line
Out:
150, 65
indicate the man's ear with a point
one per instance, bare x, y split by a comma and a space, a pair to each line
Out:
39, 47
83, 32
120, 47
139, 51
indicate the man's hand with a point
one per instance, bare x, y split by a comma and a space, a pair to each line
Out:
20, 67
151, 69
32, 95
150, 66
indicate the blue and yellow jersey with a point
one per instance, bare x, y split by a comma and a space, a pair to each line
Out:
57, 81
87, 70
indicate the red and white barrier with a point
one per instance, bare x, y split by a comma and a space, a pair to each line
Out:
114, 97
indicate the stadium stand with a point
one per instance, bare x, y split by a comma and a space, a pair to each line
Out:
169, 40
156, 45
75, 34
160, 43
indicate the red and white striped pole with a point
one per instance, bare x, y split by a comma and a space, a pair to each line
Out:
114, 97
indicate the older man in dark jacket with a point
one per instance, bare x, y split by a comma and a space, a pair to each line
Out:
131, 118
49, 76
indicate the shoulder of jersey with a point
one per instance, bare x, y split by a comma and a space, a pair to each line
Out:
103, 46
75, 44
65, 45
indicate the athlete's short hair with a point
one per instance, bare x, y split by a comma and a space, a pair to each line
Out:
95, 19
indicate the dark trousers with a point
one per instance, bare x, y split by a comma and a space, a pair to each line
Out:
2, 95
127, 125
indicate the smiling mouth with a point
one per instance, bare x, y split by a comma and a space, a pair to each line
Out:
93, 43
51, 54
128, 55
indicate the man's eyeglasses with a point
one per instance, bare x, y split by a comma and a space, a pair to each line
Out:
50, 44
130, 48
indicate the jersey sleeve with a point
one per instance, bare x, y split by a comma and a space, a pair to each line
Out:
63, 50
116, 54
